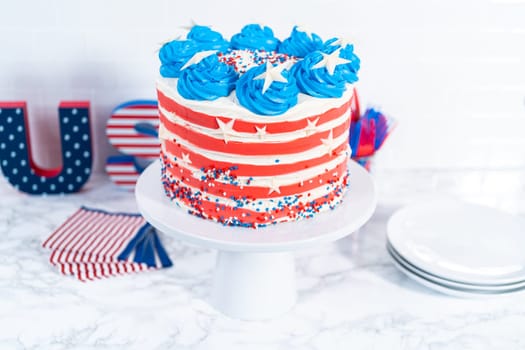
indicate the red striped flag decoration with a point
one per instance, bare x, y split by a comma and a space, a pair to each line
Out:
123, 134
93, 244
132, 129
123, 171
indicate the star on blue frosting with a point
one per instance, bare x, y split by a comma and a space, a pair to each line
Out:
280, 94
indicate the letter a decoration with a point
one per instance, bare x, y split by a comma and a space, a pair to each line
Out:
16, 157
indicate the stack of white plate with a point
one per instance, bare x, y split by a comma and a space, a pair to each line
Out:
458, 248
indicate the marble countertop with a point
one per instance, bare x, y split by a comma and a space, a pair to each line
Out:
350, 294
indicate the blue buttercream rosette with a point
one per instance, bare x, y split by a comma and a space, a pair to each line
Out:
300, 43
349, 70
207, 39
255, 37
277, 98
174, 55
318, 82
208, 79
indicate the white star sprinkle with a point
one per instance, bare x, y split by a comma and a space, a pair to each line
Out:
199, 56
274, 187
185, 159
163, 133
311, 128
305, 31
330, 61
272, 74
226, 129
343, 42
189, 26
193, 24
329, 142
261, 132
178, 37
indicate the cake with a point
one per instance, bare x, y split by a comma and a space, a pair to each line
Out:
254, 130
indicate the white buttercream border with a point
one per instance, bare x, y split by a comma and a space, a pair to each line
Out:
227, 106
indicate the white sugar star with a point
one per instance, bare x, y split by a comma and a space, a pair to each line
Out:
199, 56
193, 24
178, 37
226, 129
311, 127
185, 159
274, 187
163, 133
343, 42
271, 74
305, 31
261, 132
329, 142
330, 61
189, 26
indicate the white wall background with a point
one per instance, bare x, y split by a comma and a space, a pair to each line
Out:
451, 72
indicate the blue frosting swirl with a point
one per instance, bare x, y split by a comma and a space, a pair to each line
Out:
207, 80
300, 44
174, 55
277, 99
255, 37
207, 39
318, 82
349, 70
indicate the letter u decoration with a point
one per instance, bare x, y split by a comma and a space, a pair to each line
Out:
16, 158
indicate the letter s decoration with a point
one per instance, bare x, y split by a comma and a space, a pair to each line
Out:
132, 129
16, 158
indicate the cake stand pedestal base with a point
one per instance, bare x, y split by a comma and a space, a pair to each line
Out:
254, 285
254, 277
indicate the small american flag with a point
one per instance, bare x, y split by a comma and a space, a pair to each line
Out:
93, 244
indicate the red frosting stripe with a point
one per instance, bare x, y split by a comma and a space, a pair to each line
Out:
221, 212
220, 179
227, 190
242, 148
209, 121
199, 161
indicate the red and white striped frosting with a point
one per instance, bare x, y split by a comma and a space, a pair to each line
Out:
225, 163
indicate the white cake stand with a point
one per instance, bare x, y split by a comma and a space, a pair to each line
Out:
254, 276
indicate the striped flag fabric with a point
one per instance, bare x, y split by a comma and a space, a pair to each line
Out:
93, 244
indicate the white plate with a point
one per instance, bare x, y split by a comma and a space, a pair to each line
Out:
461, 242
457, 292
475, 288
